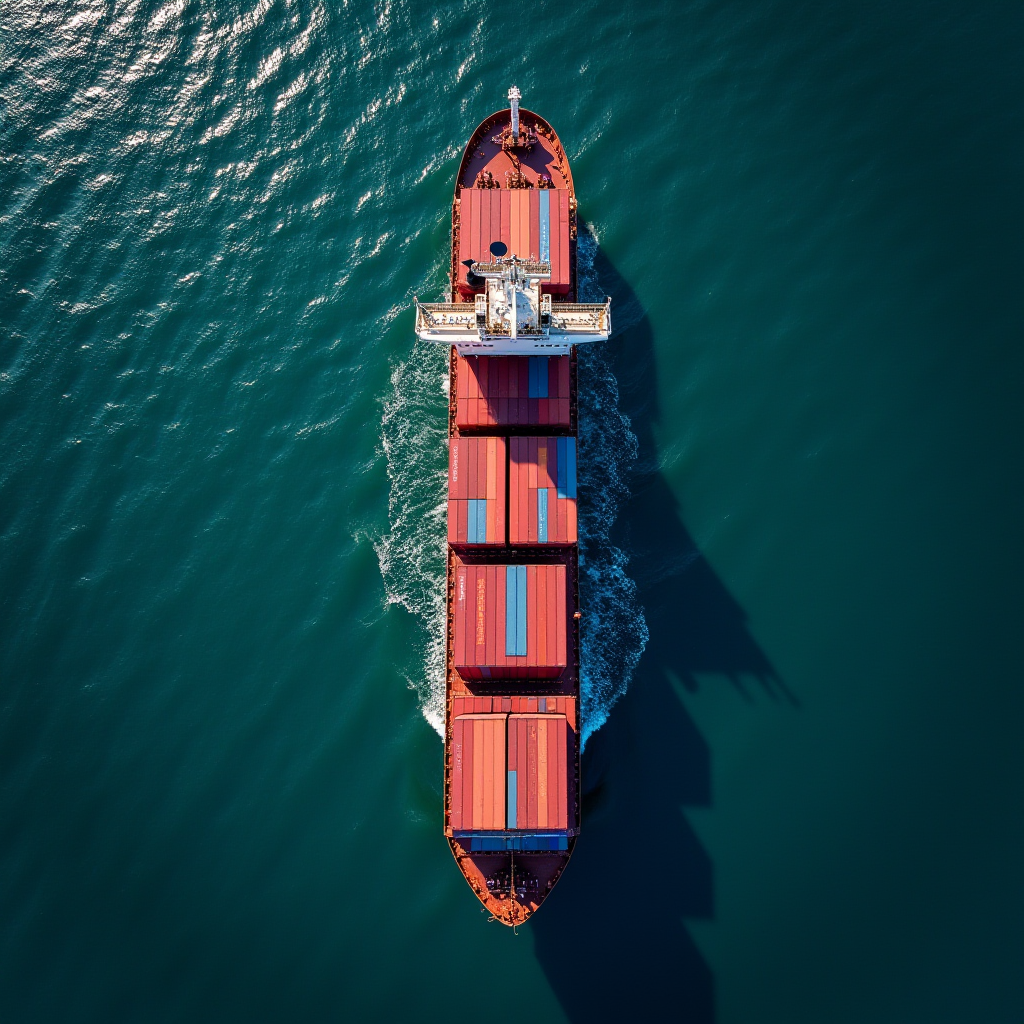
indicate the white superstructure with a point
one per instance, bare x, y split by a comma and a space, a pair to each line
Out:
511, 317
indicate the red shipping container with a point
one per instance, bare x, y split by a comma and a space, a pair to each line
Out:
476, 490
505, 206
498, 391
485, 225
482, 220
510, 621
519, 235
542, 490
478, 772
541, 753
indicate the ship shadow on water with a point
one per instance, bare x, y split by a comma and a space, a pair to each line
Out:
612, 938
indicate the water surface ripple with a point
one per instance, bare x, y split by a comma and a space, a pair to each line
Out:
221, 524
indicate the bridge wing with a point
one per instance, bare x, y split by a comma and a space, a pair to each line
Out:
569, 323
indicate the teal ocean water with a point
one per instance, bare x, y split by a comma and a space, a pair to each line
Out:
221, 523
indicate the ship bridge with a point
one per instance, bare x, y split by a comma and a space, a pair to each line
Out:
511, 316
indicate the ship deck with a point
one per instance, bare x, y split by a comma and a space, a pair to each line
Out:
483, 153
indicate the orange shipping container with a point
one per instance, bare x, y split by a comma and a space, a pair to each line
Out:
478, 772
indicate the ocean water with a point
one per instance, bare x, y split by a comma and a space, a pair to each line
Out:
221, 526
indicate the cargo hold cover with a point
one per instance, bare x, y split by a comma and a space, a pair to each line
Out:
512, 772
498, 391
510, 621
533, 224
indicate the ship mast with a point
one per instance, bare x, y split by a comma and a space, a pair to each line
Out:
514, 96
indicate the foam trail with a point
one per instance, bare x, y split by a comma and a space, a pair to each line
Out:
412, 554
613, 630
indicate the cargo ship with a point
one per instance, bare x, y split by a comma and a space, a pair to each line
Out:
512, 322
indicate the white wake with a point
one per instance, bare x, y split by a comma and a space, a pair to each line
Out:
412, 553
613, 630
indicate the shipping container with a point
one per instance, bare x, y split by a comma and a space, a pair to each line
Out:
476, 490
500, 391
478, 772
534, 215
515, 243
511, 621
541, 754
563, 242
542, 490
513, 771
531, 222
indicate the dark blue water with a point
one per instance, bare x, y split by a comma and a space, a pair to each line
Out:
221, 529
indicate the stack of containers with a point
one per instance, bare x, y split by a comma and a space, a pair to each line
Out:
478, 794
512, 771
511, 621
533, 224
542, 490
499, 391
476, 490
539, 749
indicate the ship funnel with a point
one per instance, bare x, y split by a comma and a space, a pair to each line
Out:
514, 96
